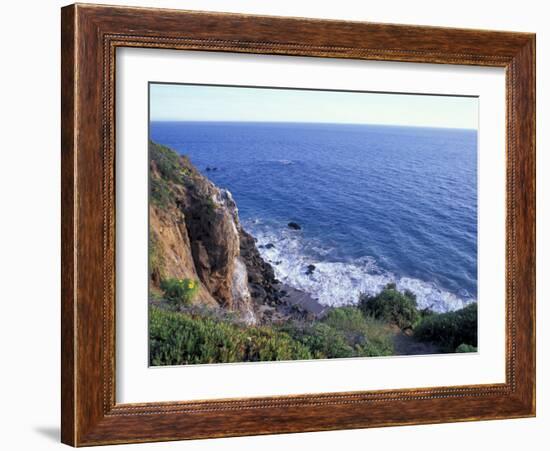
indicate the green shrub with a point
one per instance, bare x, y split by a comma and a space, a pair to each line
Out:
323, 341
267, 344
450, 330
179, 292
343, 332
368, 336
392, 306
348, 319
167, 162
171, 170
160, 192
179, 338
466, 348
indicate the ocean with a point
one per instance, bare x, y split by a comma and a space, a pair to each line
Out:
376, 204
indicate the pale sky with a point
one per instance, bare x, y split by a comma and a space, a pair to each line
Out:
173, 102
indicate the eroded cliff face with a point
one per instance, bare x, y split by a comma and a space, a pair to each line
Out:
195, 233
170, 251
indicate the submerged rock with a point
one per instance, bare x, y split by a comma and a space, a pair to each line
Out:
294, 226
310, 269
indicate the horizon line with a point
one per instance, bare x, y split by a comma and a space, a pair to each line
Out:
309, 122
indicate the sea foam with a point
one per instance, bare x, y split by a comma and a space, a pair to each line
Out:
336, 283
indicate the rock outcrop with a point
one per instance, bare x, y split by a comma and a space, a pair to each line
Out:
195, 233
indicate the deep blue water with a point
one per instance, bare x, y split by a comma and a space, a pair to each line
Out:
376, 203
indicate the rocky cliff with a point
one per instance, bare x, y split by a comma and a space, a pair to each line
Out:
194, 233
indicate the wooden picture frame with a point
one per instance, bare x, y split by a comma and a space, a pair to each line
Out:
90, 36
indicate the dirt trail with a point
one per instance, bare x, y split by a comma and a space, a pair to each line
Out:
406, 345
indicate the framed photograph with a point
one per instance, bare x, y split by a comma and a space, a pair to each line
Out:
279, 225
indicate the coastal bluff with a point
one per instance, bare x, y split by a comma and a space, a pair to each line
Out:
195, 233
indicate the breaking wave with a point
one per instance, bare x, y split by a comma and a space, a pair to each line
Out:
333, 282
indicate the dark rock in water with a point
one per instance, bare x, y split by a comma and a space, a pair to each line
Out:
310, 269
294, 226
208, 169
269, 246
